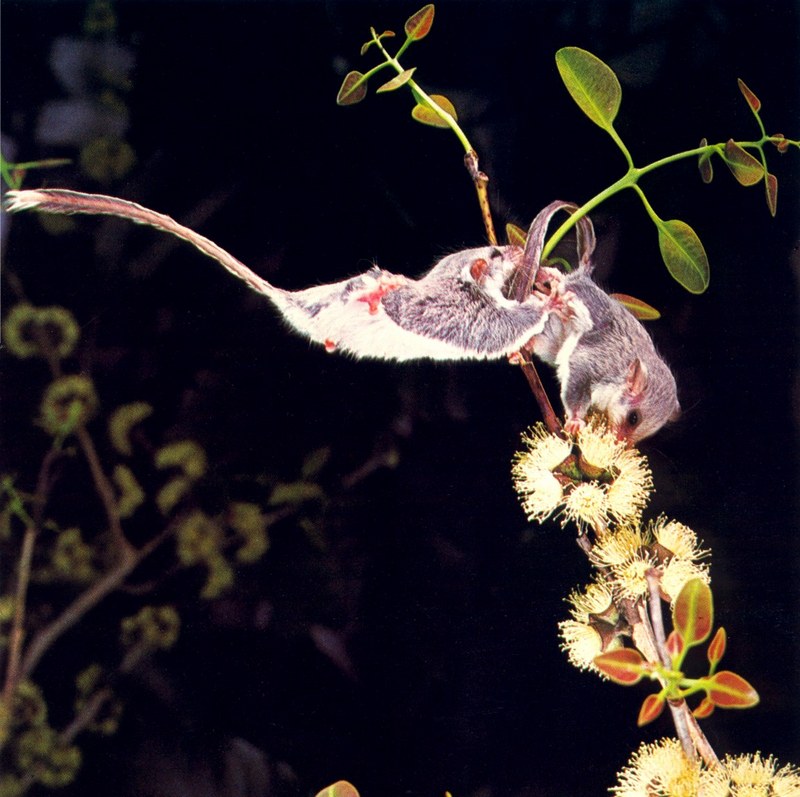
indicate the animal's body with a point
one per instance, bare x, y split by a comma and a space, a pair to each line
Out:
484, 303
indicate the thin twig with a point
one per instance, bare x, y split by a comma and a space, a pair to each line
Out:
481, 181
537, 388
656, 616
701, 743
87, 600
17, 633
105, 491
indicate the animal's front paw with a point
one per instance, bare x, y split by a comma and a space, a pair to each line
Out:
573, 425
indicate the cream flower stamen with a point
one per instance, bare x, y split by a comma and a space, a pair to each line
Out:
586, 504
754, 776
662, 770
545, 451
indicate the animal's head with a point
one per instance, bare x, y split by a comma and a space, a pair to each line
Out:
638, 406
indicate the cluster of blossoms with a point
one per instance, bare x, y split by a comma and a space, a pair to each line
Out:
203, 540
594, 480
37, 749
152, 626
591, 479
26, 328
662, 769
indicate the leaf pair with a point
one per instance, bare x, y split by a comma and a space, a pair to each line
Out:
596, 90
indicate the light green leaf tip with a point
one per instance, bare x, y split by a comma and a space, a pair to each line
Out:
591, 83
339, 789
516, 235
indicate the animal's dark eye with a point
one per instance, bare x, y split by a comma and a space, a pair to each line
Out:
633, 418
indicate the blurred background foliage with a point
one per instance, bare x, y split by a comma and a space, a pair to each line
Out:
404, 635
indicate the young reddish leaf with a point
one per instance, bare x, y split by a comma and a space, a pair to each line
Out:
418, 25
751, 98
704, 709
591, 83
625, 666
426, 115
693, 615
516, 235
642, 310
729, 690
744, 167
704, 164
651, 708
339, 789
396, 81
683, 254
353, 89
716, 648
772, 193
675, 645
782, 143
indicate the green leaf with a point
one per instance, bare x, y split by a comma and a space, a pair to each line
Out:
693, 614
771, 184
729, 690
426, 115
516, 235
397, 81
339, 789
642, 310
744, 167
625, 666
683, 254
651, 708
752, 100
591, 83
418, 25
704, 164
353, 89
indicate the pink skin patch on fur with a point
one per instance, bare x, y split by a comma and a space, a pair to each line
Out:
478, 270
330, 345
373, 297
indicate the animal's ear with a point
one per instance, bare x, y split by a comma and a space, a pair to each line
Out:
636, 379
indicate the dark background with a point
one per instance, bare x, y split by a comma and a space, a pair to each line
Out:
445, 600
